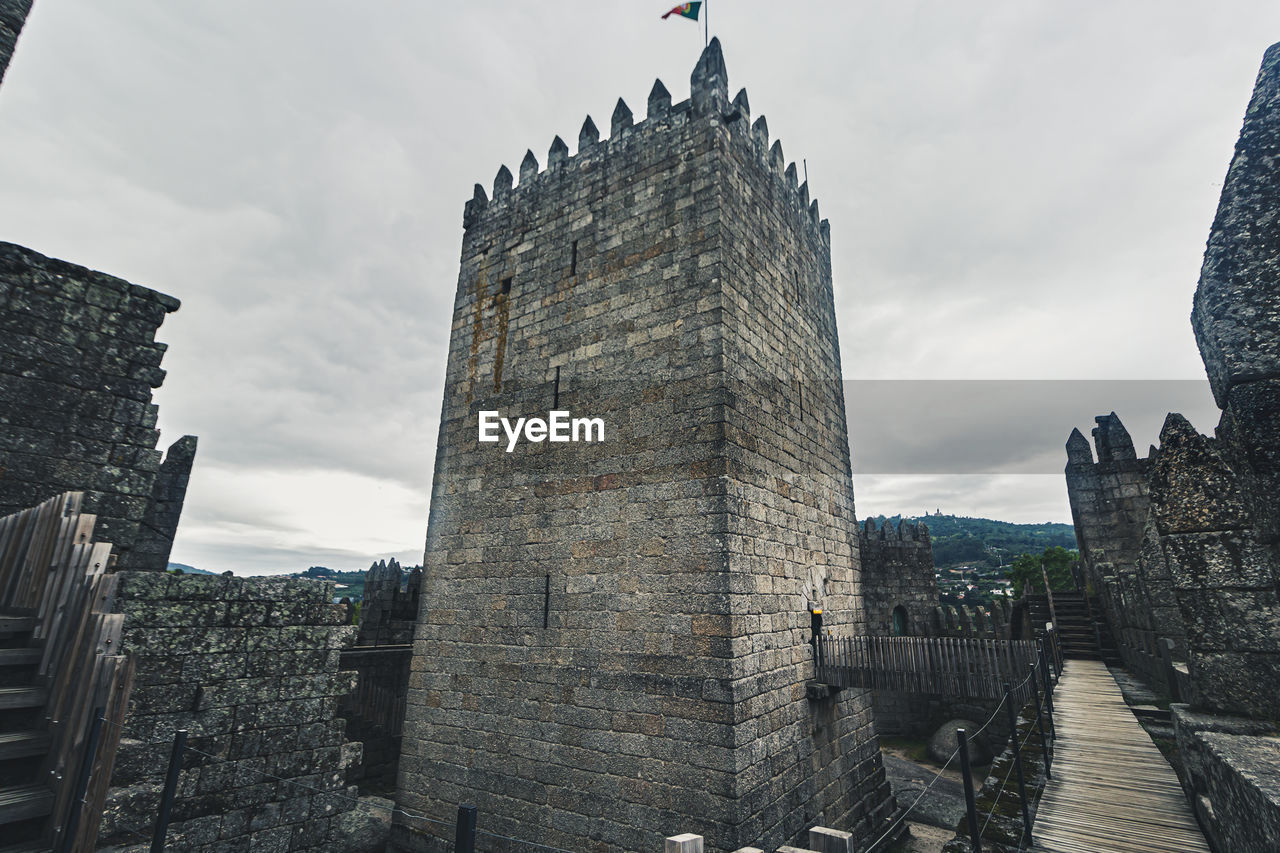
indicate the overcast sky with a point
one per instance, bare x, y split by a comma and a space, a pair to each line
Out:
1017, 191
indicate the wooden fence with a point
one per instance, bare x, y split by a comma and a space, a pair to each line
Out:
51, 570
952, 666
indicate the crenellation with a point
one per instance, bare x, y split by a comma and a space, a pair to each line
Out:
777, 160
557, 154
588, 136
709, 82
528, 167
760, 136
659, 103
621, 119
502, 183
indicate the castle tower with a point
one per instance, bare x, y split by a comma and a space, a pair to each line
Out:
613, 645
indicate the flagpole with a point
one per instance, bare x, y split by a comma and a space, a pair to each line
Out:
706, 23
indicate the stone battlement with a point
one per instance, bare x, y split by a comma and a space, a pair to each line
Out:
905, 531
708, 97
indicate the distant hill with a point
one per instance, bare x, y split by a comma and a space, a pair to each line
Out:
349, 584
188, 570
961, 541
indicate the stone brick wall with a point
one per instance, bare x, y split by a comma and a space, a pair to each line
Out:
249, 666
164, 510
13, 14
374, 711
389, 609
1231, 774
614, 641
1120, 557
1224, 575
79, 363
1236, 314
897, 571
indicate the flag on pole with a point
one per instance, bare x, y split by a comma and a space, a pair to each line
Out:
685, 10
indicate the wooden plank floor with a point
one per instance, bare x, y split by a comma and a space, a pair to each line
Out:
1111, 790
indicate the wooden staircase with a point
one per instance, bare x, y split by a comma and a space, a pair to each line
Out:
26, 799
1082, 634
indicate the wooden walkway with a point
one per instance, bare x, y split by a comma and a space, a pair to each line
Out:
1111, 790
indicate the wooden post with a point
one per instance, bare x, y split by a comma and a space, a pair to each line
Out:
1048, 691
1017, 759
1044, 741
79, 801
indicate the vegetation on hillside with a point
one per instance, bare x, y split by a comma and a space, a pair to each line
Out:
1025, 571
985, 542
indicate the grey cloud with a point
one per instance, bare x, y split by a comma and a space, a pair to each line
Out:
1009, 186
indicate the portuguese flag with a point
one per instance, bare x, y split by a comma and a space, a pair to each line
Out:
685, 10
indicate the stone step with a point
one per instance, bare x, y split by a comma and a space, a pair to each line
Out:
23, 802
22, 744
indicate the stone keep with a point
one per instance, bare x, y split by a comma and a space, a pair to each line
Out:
613, 645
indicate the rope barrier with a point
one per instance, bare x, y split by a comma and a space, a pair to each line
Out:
903, 816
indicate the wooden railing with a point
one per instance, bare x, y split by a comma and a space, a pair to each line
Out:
52, 570
951, 666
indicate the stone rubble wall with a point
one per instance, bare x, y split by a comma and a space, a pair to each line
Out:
249, 667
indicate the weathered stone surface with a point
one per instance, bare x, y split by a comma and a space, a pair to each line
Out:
1192, 487
1111, 507
1236, 316
1232, 773
257, 689
1250, 432
164, 510
13, 14
614, 638
943, 742
78, 362
828, 840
